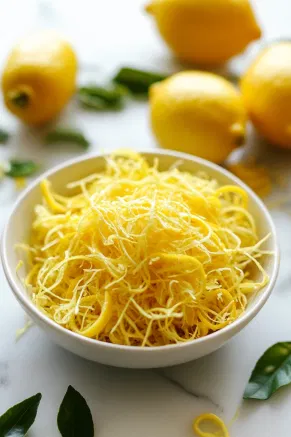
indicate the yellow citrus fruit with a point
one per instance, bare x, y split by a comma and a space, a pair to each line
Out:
205, 31
266, 91
39, 77
199, 113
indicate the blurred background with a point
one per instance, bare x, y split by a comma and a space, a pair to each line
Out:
111, 33
107, 35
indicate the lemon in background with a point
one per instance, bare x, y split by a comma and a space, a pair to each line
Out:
266, 91
199, 113
39, 77
205, 31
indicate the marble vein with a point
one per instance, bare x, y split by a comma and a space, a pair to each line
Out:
4, 377
190, 392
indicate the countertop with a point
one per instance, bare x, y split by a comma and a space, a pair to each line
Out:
127, 403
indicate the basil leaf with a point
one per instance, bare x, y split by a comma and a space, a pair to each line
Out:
74, 418
20, 168
63, 135
137, 81
96, 103
272, 371
18, 419
102, 98
4, 136
112, 94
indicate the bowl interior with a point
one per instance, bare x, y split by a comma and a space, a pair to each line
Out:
18, 228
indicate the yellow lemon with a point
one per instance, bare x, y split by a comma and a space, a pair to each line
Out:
39, 77
266, 91
205, 31
199, 113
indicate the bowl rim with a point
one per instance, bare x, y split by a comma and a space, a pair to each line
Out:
245, 318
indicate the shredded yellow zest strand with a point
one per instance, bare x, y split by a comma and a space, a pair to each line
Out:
214, 420
20, 332
142, 257
20, 183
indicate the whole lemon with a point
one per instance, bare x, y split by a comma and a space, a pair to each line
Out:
39, 77
266, 91
205, 31
199, 113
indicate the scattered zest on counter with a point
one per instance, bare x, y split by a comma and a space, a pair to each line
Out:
137, 81
20, 183
256, 177
211, 419
4, 136
74, 416
65, 135
21, 169
102, 98
18, 419
21, 331
271, 372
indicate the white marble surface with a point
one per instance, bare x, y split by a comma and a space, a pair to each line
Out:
127, 403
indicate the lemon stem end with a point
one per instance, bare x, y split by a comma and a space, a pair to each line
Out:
19, 98
238, 132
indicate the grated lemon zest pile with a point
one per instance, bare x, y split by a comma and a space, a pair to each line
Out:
142, 257
214, 420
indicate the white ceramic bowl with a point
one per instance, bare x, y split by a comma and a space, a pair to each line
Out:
17, 230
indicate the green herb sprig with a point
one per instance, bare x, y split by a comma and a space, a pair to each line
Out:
21, 168
137, 81
18, 419
74, 416
272, 371
102, 98
67, 135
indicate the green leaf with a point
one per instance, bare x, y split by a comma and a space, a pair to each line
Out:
75, 418
137, 81
18, 419
20, 168
92, 102
64, 135
4, 136
110, 94
102, 98
272, 371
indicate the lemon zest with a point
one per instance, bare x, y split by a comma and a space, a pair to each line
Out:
143, 257
20, 332
215, 420
19, 265
235, 416
47, 194
227, 190
20, 183
256, 177
99, 325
